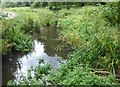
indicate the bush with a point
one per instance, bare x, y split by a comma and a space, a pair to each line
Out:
5, 46
73, 73
47, 17
89, 26
13, 36
111, 12
95, 45
38, 4
6, 36
22, 42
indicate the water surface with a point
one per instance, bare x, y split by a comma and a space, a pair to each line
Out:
45, 44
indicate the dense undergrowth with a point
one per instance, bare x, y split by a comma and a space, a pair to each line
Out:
16, 33
94, 38
92, 34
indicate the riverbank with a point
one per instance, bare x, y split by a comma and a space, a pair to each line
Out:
46, 40
93, 41
27, 22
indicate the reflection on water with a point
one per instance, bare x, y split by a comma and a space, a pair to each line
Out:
49, 37
32, 59
15, 63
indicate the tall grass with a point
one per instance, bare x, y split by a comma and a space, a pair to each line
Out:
90, 27
16, 32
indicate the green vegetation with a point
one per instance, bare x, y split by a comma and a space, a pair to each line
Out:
39, 77
2, 15
14, 38
77, 74
90, 30
70, 73
16, 32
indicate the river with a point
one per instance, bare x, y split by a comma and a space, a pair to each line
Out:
45, 44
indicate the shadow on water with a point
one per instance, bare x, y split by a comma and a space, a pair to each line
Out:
9, 66
49, 37
45, 44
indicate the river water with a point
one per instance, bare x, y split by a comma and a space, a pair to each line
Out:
45, 44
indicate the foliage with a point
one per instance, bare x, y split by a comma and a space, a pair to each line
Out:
88, 30
35, 19
21, 41
73, 39
8, 4
47, 17
13, 38
73, 73
6, 36
15, 4
50, 5
29, 26
111, 12
38, 4
14, 32
39, 17
38, 78
6, 46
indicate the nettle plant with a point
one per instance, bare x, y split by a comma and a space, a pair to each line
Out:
22, 42
14, 38
74, 73
94, 32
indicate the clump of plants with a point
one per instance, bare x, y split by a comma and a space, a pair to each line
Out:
13, 38
44, 18
47, 17
30, 26
39, 77
73, 73
22, 42
5, 46
111, 12
6, 36
91, 32
90, 27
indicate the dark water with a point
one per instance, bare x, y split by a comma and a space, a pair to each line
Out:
45, 45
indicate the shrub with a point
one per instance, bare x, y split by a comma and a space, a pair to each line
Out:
111, 12
5, 46
73, 73
13, 36
89, 26
22, 42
